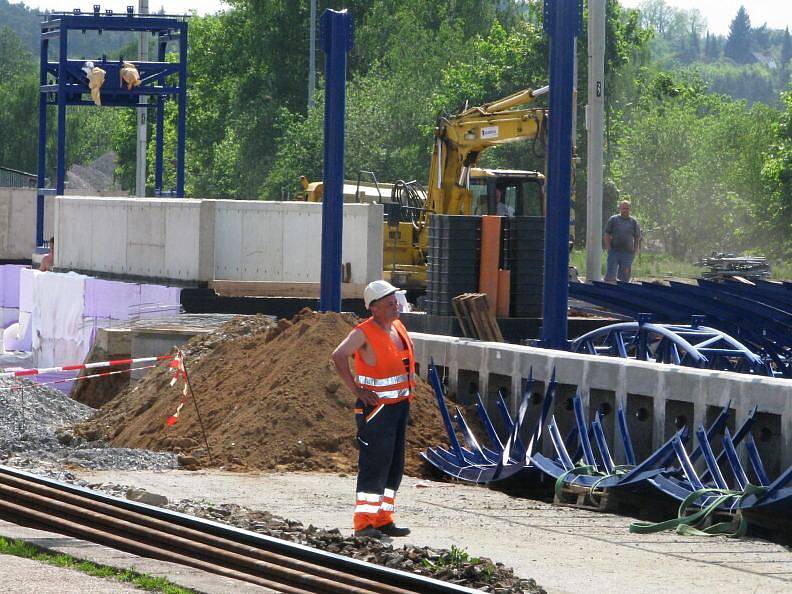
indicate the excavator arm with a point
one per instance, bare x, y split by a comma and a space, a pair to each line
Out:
460, 140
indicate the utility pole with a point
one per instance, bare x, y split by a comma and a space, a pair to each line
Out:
312, 57
594, 117
142, 112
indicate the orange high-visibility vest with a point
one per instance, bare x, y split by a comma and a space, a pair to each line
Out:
392, 377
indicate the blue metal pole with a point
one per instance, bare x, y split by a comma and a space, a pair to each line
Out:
182, 117
336, 33
562, 21
60, 165
42, 144
159, 140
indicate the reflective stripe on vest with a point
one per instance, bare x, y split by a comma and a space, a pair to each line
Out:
373, 382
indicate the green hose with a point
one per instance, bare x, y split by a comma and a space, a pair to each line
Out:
686, 525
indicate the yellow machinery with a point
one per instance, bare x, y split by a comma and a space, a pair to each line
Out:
456, 185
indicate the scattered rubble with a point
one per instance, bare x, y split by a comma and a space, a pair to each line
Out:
269, 399
453, 565
34, 433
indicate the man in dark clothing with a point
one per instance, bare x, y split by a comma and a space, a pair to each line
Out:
622, 241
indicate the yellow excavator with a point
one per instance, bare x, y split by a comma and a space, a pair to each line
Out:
456, 185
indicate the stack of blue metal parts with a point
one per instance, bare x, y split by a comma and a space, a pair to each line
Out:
756, 317
583, 460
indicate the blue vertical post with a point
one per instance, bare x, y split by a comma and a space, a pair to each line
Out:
336, 34
562, 21
42, 144
159, 140
181, 125
60, 167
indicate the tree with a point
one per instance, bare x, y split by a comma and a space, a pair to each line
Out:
692, 163
775, 212
656, 15
786, 56
711, 48
738, 43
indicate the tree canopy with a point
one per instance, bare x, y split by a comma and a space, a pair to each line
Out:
697, 125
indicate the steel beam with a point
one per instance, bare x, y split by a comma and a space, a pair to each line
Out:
562, 20
336, 33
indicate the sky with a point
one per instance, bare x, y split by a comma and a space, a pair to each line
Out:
719, 13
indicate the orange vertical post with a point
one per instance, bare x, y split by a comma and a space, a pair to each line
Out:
504, 292
490, 258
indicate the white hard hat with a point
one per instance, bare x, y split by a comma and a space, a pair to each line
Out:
377, 290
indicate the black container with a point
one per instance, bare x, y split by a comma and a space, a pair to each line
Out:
452, 260
524, 256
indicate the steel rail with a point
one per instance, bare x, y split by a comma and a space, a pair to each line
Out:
210, 546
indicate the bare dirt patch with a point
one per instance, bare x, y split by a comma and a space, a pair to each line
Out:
269, 398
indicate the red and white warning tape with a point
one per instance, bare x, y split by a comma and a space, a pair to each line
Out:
95, 375
99, 365
178, 373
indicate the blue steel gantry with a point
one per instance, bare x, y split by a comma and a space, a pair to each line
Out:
64, 83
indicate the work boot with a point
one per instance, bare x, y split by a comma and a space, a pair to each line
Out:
392, 530
370, 532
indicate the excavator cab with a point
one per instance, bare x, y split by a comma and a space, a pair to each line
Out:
510, 193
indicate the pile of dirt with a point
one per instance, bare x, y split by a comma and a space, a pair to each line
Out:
98, 391
269, 398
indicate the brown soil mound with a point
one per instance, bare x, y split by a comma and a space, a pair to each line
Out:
269, 399
100, 390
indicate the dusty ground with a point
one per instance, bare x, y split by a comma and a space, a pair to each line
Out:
565, 550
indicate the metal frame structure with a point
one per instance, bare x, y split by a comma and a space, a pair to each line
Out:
691, 346
759, 317
63, 84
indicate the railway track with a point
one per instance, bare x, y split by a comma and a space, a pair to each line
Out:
210, 546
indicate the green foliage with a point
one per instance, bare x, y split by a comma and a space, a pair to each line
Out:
738, 43
775, 211
692, 164
752, 82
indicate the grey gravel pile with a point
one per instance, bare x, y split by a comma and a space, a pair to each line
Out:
34, 435
449, 565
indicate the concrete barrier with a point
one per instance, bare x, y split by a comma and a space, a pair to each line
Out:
658, 399
202, 240
156, 239
18, 222
282, 241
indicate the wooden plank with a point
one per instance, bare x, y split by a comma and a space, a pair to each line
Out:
280, 289
488, 320
469, 303
462, 317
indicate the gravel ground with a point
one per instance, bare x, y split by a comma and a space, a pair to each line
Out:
565, 550
34, 435
452, 565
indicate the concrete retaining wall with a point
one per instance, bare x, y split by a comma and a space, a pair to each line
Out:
18, 222
281, 241
658, 399
202, 240
165, 239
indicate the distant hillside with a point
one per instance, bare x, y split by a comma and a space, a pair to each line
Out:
25, 22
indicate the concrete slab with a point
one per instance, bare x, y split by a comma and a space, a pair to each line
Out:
564, 549
35, 574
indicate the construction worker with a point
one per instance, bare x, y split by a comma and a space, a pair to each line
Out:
383, 384
48, 261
